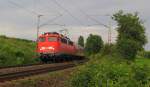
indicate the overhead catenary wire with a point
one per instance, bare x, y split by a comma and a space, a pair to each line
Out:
58, 15
58, 12
19, 6
67, 11
99, 23
47, 8
91, 18
51, 20
33, 12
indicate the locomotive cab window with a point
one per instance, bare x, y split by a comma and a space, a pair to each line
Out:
52, 39
42, 39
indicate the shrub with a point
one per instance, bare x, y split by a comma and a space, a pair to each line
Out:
111, 73
128, 48
141, 74
108, 49
94, 44
16, 51
147, 54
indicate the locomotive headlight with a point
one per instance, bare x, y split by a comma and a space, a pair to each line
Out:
42, 48
51, 48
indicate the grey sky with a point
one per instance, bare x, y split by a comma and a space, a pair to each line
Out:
20, 21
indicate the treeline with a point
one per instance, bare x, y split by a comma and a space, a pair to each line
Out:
123, 64
130, 41
94, 44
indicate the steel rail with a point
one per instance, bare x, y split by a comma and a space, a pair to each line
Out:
24, 65
51, 67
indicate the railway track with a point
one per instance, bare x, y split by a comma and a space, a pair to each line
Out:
13, 73
25, 65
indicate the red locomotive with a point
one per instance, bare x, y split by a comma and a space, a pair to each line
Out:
53, 46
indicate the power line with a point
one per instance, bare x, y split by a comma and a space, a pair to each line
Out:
55, 10
33, 12
107, 26
47, 9
19, 6
67, 11
51, 20
91, 18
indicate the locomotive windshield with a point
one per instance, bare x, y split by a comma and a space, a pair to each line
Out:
42, 39
52, 39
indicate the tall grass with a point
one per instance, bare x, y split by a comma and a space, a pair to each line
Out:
109, 71
14, 51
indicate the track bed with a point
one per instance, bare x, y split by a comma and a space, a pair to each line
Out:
13, 73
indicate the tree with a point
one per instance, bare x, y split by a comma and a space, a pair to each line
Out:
94, 44
81, 41
131, 34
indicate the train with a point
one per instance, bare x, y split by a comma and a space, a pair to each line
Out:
53, 46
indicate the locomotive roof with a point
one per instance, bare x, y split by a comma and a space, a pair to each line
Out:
55, 34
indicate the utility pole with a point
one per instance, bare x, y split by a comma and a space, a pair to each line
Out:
109, 33
38, 28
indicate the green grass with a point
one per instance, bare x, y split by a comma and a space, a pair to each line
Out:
142, 61
112, 71
15, 51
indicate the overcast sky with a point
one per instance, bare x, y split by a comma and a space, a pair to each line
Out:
18, 18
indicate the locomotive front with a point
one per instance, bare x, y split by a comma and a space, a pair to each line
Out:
48, 46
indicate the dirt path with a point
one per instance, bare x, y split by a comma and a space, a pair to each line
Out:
54, 79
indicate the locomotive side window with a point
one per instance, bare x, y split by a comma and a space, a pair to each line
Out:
42, 39
63, 40
52, 39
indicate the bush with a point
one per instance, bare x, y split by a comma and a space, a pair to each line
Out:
128, 48
108, 72
141, 74
16, 51
108, 49
147, 54
94, 44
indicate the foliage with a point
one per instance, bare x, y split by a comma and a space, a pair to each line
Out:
131, 30
142, 74
111, 72
94, 44
81, 41
145, 54
16, 51
128, 48
108, 49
